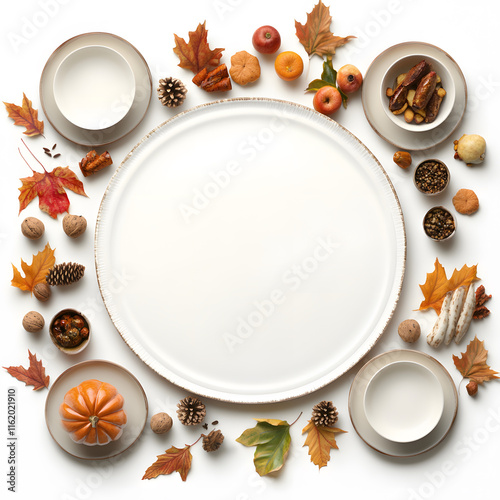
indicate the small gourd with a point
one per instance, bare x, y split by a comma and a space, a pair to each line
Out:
93, 414
245, 68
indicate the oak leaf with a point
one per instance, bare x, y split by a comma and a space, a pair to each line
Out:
25, 116
173, 460
472, 364
196, 54
437, 285
35, 272
320, 441
316, 36
34, 375
272, 440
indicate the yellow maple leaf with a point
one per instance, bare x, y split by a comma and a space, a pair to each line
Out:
35, 272
320, 441
25, 116
472, 364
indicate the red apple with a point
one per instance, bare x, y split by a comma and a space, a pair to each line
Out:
266, 40
327, 100
349, 79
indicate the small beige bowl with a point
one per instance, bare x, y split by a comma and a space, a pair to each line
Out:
70, 350
426, 186
439, 221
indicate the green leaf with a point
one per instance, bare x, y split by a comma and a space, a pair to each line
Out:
315, 85
328, 77
272, 438
329, 74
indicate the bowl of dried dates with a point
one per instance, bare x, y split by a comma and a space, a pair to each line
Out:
418, 93
70, 331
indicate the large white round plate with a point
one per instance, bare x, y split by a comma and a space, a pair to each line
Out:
136, 407
140, 104
375, 440
374, 106
250, 250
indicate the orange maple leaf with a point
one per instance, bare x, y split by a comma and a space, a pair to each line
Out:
320, 441
34, 375
196, 54
316, 36
36, 272
25, 116
437, 285
173, 460
472, 364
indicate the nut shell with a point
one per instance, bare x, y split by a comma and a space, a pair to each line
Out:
42, 292
409, 330
74, 225
33, 322
161, 423
32, 228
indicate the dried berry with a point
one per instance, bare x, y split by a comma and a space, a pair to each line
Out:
32, 228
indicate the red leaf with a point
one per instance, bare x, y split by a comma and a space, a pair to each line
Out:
173, 460
34, 375
25, 116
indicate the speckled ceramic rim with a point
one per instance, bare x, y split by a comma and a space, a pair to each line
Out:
111, 137
400, 354
111, 365
310, 387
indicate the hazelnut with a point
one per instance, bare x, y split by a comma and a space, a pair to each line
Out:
161, 423
74, 225
32, 228
472, 388
409, 330
42, 292
33, 322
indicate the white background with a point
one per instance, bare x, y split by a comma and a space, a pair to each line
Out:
462, 465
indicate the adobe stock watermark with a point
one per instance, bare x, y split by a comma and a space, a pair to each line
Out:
291, 280
31, 25
219, 180
465, 449
223, 7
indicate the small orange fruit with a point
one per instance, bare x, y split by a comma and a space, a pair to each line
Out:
289, 65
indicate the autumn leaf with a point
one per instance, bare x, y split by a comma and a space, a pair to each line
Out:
320, 440
25, 116
196, 54
173, 460
272, 439
437, 285
35, 272
316, 36
472, 364
34, 375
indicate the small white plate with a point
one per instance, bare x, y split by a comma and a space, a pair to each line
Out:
136, 407
366, 431
375, 111
142, 97
94, 87
404, 401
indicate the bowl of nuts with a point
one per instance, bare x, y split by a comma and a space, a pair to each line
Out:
439, 224
70, 331
418, 93
431, 177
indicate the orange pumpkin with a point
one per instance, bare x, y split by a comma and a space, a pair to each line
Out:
92, 413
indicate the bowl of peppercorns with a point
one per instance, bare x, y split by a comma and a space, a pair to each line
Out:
439, 224
70, 331
431, 177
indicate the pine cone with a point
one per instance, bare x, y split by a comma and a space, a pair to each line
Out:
65, 274
213, 441
324, 414
191, 411
171, 92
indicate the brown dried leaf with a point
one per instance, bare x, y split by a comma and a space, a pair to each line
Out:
173, 460
25, 116
472, 364
34, 375
320, 441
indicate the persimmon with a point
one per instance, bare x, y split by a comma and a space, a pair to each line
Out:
289, 65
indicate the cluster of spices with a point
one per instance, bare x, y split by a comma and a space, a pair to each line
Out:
431, 177
70, 329
439, 223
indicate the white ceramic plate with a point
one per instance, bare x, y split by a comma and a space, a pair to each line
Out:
136, 407
140, 104
373, 105
375, 440
237, 244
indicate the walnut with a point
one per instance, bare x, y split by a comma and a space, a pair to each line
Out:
409, 330
161, 423
32, 228
466, 202
74, 225
33, 322
245, 68
42, 292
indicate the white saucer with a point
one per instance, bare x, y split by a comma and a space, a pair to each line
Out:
142, 97
136, 407
375, 111
375, 440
